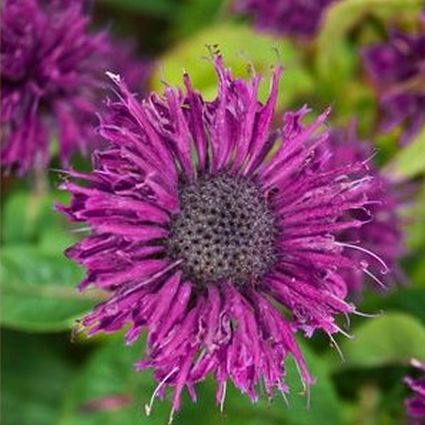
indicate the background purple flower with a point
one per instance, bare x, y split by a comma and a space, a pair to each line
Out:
200, 227
52, 70
381, 233
287, 17
397, 69
415, 405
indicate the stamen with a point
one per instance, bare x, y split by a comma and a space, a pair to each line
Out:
285, 399
368, 315
81, 229
336, 346
347, 335
171, 417
148, 407
378, 281
366, 251
223, 396
308, 398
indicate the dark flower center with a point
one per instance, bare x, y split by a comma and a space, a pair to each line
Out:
225, 231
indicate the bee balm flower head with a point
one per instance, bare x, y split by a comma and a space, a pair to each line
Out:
215, 233
397, 69
52, 70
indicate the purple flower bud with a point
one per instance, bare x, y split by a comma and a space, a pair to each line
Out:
52, 73
285, 17
397, 69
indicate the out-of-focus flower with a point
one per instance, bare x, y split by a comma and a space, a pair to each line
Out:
382, 233
52, 71
285, 17
415, 405
201, 227
397, 69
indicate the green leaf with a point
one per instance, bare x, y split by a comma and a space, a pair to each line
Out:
109, 375
38, 290
415, 215
197, 14
29, 217
240, 47
324, 406
391, 338
20, 217
162, 8
408, 300
409, 161
35, 377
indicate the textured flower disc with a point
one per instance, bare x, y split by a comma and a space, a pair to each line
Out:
225, 230
216, 233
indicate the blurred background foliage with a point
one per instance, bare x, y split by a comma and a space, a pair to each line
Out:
49, 377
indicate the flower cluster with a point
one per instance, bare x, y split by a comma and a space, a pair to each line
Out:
52, 70
381, 233
415, 405
286, 17
216, 233
397, 68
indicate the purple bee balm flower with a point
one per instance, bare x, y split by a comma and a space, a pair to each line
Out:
381, 234
285, 17
52, 69
206, 224
397, 69
415, 405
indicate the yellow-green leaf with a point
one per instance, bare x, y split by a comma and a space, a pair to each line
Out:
393, 338
241, 47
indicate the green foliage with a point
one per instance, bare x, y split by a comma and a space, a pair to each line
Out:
164, 8
38, 282
197, 14
415, 215
407, 300
38, 290
109, 373
241, 47
392, 338
35, 378
410, 161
